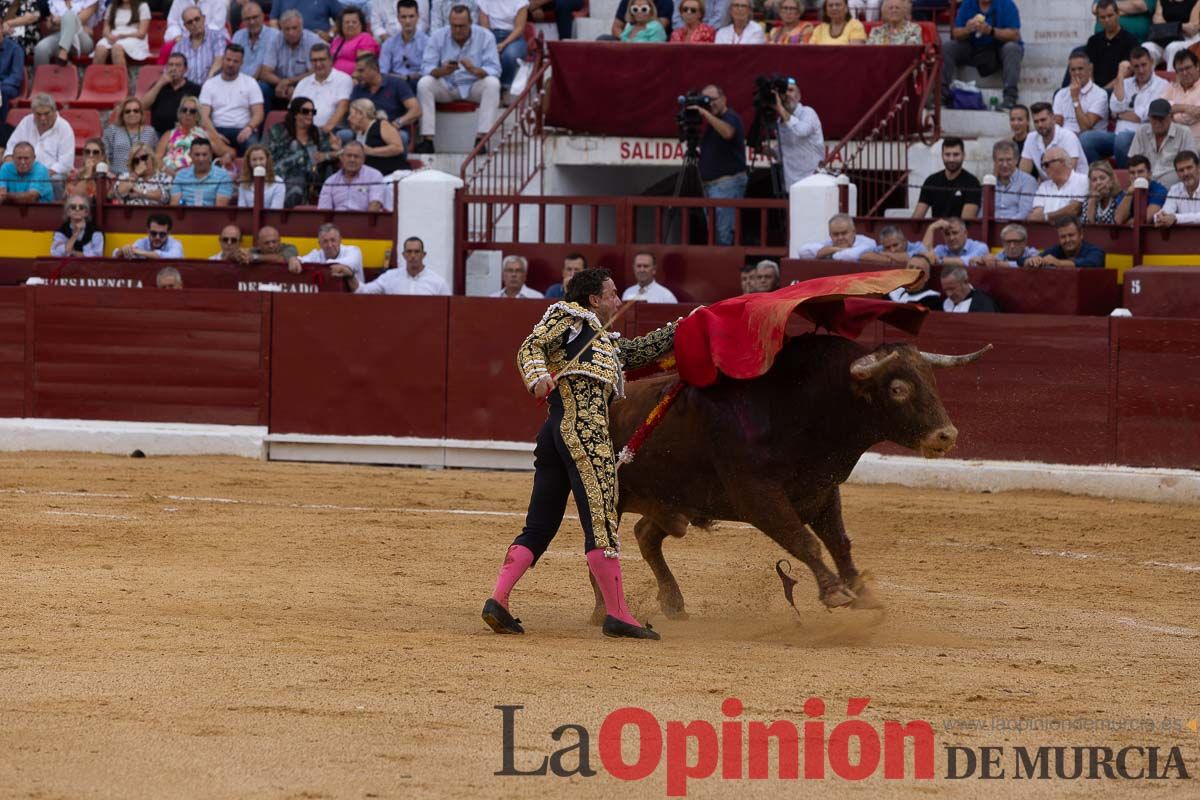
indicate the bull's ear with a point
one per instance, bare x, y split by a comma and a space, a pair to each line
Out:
865, 368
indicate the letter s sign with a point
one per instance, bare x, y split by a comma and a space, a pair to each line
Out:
1135, 286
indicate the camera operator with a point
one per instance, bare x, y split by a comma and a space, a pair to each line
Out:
801, 140
722, 158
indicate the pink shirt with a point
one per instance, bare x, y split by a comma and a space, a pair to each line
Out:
345, 52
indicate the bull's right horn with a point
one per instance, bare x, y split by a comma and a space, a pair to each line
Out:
863, 368
939, 360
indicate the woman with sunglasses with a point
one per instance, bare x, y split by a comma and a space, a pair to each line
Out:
82, 180
126, 129
352, 38
304, 155
174, 146
695, 30
274, 191
837, 26
144, 184
742, 29
77, 236
126, 32
642, 25
792, 29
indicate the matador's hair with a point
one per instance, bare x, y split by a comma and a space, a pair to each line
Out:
585, 284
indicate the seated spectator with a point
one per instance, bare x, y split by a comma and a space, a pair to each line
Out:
1183, 199
290, 62
792, 29
1071, 252
215, 14
355, 187
1185, 13
230, 240
919, 292
1018, 122
1014, 249
961, 296
1160, 140
987, 39
957, 249
837, 26
1156, 194
304, 155
23, 179
1050, 134
843, 244
318, 15
20, 25
259, 43
1063, 192
78, 235
893, 249
165, 94
327, 89
144, 183
274, 191
572, 264
766, 275
1110, 45
125, 130
352, 38
1081, 105
269, 247
742, 29
1184, 93
380, 139
82, 179
1134, 18
564, 15
460, 63
392, 98
643, 26
174, 148
747, 279
201, 46
231, 105
713, 13
664, 10
800, 139
951, 192
647, 289
12, 73
331, 250
1104, 195
690, 27
168, 278
203, 183
414, 279
69, 24
126, 33
512, 277
1014, 188
52, 137
400, 57
506, 20
157, 243
1136, 87
897, 27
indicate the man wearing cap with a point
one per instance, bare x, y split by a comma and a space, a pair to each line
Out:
1160, 140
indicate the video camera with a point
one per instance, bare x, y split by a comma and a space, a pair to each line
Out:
689, 119
766, 115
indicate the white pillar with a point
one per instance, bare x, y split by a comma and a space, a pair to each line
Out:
811, 202
426, 210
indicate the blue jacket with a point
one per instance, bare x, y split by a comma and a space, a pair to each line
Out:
12, 68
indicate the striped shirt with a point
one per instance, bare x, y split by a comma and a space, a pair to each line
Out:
200, 58
118, 141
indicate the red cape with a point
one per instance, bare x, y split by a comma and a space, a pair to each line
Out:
740, 337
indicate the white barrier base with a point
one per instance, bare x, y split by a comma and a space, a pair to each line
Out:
122, 438
400, 451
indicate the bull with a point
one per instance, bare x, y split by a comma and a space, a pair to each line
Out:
773, 451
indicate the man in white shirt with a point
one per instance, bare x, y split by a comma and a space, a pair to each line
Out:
843, 244
512, 275
647, 289
1064, 190
345, 260
1050, 134
328, 88
800, 138
415, 278
52, 138
1183, 199
157, 243
215, 12
1081, 105
231, 103
1135, 88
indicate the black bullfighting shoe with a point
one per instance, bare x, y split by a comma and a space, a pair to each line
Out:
498, 618
616, 629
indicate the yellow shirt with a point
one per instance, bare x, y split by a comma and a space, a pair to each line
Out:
853, 32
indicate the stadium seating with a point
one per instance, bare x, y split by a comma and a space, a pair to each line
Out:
104, 85
15, 115
147, 74
61, 83
158, 28
272, 119
85, 122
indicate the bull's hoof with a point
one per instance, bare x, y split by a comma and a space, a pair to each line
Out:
864, 596
677, 614
837, 596
673, 608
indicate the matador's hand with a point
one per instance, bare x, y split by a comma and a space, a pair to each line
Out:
543, 387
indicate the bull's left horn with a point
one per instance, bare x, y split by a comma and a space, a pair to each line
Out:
939, 360
863, 368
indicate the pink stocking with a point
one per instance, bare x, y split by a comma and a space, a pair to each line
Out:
516, 561
607, 572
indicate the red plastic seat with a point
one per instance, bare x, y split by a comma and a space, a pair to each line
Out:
154, 37
457, 106
147, 75
61, 83
15, 115
85, 122
104, 85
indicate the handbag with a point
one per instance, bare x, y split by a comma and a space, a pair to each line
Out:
521, 79
1165, 32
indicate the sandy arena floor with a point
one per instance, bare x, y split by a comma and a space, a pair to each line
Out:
201, 627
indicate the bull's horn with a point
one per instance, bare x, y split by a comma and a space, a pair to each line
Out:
939, 360
863, 368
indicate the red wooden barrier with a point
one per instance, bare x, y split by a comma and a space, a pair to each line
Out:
196, 274
1163, 291
12, 352
1157, 393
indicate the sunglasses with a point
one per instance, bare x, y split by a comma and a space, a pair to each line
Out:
640, 9
132, 111
92, 151
140, 159
76, 207
189, 110
308, 112
229, 240
158, 234
689, 10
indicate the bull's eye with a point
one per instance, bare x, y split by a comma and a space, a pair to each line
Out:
900, 390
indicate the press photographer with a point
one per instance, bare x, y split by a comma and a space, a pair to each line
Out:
801, 141
722, 157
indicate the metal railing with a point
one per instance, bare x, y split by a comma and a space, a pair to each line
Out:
874, 153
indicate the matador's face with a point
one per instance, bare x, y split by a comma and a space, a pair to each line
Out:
606, 304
